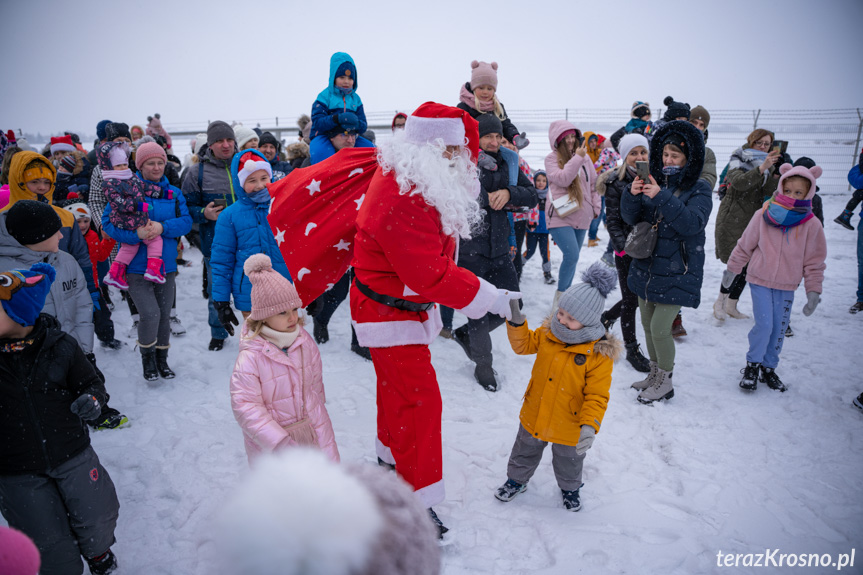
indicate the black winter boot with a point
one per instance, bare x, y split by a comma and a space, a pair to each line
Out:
162, 363
321, 333
770, 379
636, 359
148, 359
103, 564
216, 344
844, 219
750, 376
485, 376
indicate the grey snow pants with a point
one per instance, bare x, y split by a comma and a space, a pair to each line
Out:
527, 453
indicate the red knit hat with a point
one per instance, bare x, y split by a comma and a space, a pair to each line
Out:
272, 293
62, 144
453, 126
148, 151
250, 162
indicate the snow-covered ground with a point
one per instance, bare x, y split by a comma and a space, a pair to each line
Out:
667, 487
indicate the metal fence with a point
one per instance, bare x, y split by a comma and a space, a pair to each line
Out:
830, 137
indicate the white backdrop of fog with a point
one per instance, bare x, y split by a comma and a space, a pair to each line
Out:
68, 65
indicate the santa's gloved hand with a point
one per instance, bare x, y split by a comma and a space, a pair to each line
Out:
86, 407
728, 278
486, 162
585, 440
226, 315
94, 295
517, 317
521, 141
812, 300
501, 304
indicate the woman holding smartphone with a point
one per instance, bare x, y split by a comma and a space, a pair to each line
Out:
573, 201
750, 182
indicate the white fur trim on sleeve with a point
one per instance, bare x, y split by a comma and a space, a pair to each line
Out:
482, 301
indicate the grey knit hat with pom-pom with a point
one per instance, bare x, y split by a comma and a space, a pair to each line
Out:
585, 302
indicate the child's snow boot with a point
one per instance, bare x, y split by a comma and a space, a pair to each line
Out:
509, 490
647, 381
856, 308
844, 219
110, 418
858, 402
636, 359
103, 564
116, 276
148, 360
768, 376
661, 389
571, 500
750, 376
155, 270
162, 363
677, 329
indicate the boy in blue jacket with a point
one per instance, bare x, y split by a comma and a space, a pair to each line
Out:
338, 109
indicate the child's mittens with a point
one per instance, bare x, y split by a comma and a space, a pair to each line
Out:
86, 407
486, 162
812, 300
521, 141
728, 278
585, 440
517, 317
348, 120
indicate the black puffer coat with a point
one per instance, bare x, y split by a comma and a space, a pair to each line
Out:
614, 190
38, 384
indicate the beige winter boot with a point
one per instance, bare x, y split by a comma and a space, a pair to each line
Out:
719, 307
660, 390
647, 381
731, 309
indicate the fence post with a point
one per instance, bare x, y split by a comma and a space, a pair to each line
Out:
857, 146
277, 121
567, 114
756, 116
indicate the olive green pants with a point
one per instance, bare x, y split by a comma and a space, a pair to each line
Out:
657, 319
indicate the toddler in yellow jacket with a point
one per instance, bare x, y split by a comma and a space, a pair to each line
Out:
569, 385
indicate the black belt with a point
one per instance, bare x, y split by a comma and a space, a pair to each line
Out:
390, 301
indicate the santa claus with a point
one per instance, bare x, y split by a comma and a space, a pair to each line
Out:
421, 200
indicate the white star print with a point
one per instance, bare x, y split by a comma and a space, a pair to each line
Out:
359, 202
342, 245
315, 186
301, 273
309, 227
280, 236
355, 171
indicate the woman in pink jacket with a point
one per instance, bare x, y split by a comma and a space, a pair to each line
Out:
570, 173
783, 244
277, 392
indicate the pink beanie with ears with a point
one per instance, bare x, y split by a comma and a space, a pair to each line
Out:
483, 74
787, 170
18, 554
272, 293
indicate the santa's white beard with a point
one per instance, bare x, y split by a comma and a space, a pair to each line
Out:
450, 186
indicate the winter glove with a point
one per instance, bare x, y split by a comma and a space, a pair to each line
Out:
585, 440
521, 141
517, 317
728, 278
94, 295
86, 407
316, 307
812, 300
486, 162
349, 121
501, 304
226, 315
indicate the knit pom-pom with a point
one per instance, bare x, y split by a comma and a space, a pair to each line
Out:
668, 101
44, 269
158, 116
474, 64
601, 277
257, 263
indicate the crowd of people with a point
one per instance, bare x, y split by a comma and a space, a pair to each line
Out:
447, 222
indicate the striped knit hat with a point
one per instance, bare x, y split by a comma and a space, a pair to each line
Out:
271, 292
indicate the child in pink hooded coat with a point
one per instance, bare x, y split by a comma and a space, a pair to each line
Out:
277, 390
783, 244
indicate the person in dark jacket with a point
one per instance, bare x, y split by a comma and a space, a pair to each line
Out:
205, 184
52, 486
271, 148
633, 148
486, 254
671, 276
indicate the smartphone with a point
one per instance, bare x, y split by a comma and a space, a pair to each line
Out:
780, 146
220, 203
642, 170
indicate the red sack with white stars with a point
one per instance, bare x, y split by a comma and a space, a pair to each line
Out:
313, 217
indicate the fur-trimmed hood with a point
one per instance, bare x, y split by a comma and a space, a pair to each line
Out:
693, 147
297, 150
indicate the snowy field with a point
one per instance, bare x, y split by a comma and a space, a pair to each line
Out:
667, 487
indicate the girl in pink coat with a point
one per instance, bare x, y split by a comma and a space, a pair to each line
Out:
783, 244
277, 392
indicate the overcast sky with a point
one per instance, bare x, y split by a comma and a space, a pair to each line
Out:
67, 65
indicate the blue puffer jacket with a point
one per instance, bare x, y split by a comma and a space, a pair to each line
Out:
673, 274
331, 102
171, 213
242, 230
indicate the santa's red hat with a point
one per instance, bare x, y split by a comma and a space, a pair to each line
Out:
453, 126
249, 163
62, 144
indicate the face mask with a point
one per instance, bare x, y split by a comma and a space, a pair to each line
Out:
260, 196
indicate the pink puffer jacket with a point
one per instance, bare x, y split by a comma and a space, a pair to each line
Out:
271, 390
559, 180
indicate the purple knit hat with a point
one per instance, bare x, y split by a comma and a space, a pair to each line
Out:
483, 74
271, 292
